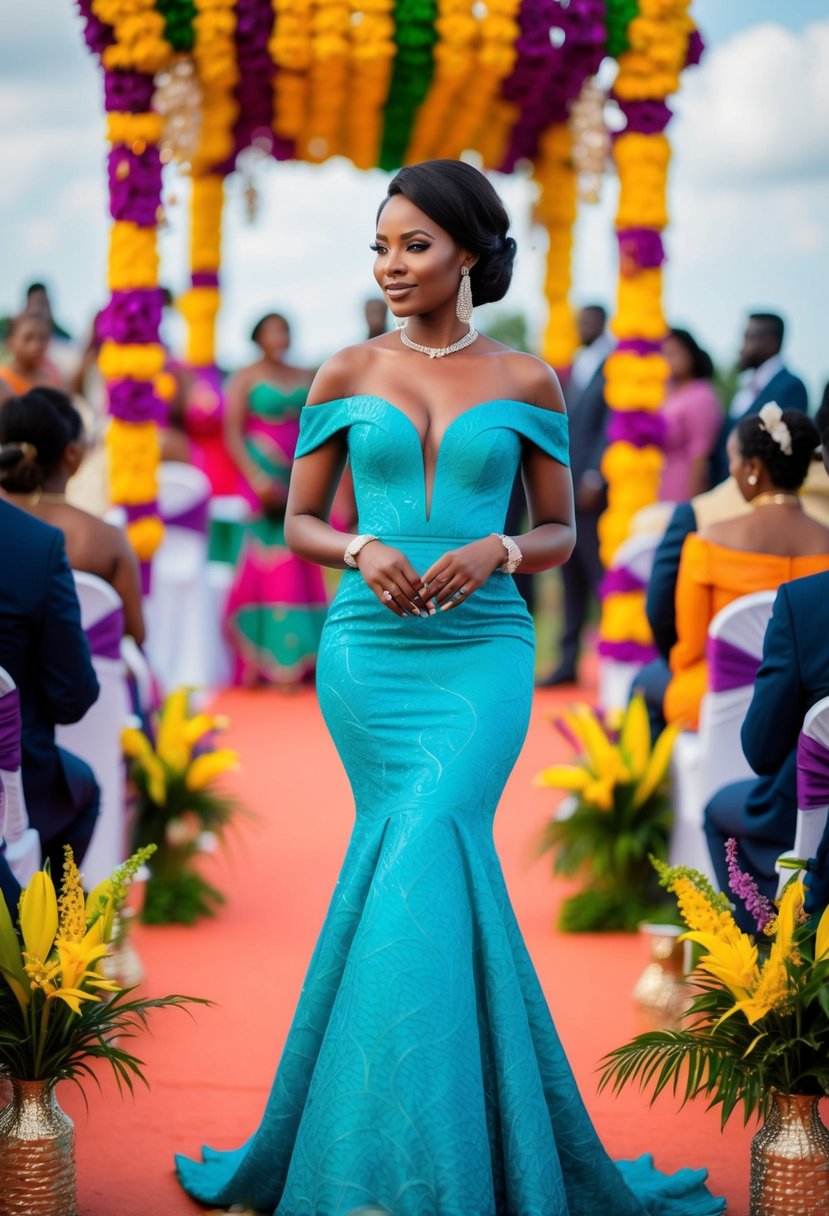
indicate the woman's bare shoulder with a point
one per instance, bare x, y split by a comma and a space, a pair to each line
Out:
341, 375
535, 381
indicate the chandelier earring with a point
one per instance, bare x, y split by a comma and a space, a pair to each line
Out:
463, 308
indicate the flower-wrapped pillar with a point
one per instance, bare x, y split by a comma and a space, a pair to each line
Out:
131, 357
556, 211
636, 373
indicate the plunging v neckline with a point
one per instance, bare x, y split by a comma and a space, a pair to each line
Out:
429, 490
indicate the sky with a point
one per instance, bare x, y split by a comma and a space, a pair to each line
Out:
749, 198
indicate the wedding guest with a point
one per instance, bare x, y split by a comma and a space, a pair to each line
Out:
769, 456
764, 378
38, 303
45, 651
587, 412
376, 315
693, 417
43, 446
28, 342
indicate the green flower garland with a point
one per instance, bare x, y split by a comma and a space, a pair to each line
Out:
178, 22
411, 76
619, 15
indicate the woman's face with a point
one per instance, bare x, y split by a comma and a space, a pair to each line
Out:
274, 338
418, 264
28, 341
678, 358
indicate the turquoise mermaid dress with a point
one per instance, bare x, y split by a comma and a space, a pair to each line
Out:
422, 1075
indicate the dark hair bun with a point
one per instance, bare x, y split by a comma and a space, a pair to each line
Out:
786, 470
463, 201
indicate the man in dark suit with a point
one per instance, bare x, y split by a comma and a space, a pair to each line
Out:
45, 651
762, 813
587, 413
766, 379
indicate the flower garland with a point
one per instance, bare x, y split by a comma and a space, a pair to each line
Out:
636, 374
200, 305
373, 50
290, 47
415, 36
131, 358
455, 62
214, 53
329, 79
556, 212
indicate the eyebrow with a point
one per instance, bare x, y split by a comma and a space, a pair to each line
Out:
405, 236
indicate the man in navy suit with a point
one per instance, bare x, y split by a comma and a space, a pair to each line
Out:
762, 813
587, 414
45, 651
766, 379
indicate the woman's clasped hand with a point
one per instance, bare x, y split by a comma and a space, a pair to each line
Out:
447, 583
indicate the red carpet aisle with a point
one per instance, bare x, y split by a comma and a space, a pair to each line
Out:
210, 1073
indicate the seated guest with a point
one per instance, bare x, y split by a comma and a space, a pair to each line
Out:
45, 651
769, 456
42, 437
693, 417
761, 813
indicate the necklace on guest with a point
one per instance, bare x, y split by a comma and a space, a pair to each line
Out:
771, 499
438, 352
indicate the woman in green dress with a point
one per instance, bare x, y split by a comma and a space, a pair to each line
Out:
277, 603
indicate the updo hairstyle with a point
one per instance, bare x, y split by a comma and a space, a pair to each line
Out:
465, 204
787, 472
35, 430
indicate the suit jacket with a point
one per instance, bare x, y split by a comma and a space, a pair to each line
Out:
793, 676
790, 394
588, 415
45, 651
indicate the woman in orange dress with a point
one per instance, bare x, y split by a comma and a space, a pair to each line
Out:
30, 367
769, 456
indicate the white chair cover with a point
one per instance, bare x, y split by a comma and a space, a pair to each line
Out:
22, 841
180, 636
97, 737
706, 760
616, 678
812, 785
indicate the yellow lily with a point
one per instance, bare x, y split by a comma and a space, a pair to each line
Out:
208, 767
822, 937
197, 727
600, 793
134, 743
563, 777
791, 902
635, 739
99, 903
657, 765
772, 990
11, 964
731, 961
156, 780
589, 730
171, 744
39, 915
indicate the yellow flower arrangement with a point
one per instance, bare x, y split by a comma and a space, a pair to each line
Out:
200, 306
138, 362
133, 452
762, 1020
58, 1008
291, 50
556, 211
174, 775
138, 27
372, 50
618, 817
133, 257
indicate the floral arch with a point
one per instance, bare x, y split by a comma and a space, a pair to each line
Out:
385, 82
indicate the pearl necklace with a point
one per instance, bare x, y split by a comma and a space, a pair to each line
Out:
768, 499
438, 352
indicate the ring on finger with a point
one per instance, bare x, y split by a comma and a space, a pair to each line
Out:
388, 597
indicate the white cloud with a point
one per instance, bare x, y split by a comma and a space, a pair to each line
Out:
757, 110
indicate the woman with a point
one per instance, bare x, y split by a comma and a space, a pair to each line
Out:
693, 416
28, 341
41, 434
276, 606
423, 1074
769, 456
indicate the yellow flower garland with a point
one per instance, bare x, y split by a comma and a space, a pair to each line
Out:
373, 51
291, 50
556, 211
139, 43
328, 79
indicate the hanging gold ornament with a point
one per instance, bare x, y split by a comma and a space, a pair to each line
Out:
591, 139
178, 99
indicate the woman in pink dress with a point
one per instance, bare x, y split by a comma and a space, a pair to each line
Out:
693, 417
277, 603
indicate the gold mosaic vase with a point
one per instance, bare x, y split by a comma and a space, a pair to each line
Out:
790, 1160
37, 1153
661, 994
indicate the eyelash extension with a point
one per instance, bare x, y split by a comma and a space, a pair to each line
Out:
376, 248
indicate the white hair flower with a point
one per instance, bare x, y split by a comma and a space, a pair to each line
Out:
771, 420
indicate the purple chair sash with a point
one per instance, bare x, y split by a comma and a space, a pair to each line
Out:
729, 666
104, 636
620, 580
812, 774
193, 518
10, 728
